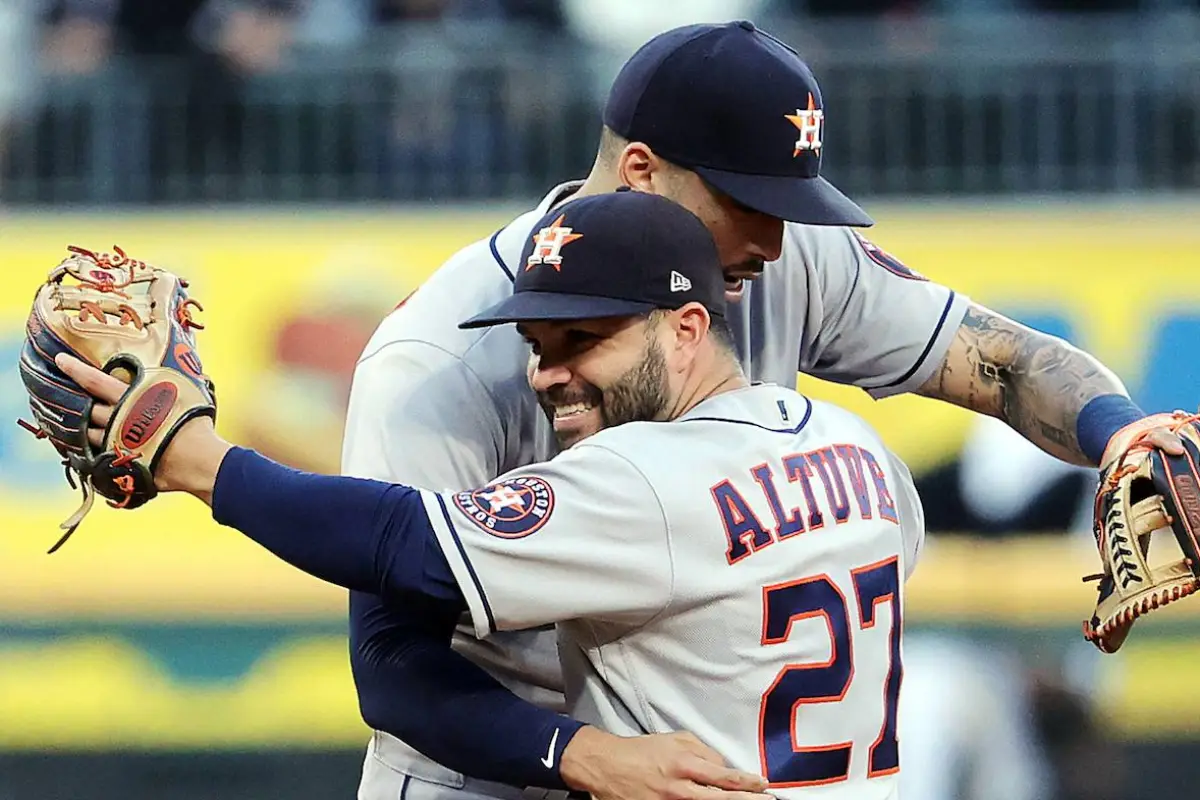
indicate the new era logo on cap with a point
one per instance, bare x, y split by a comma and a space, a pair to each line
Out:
680, 283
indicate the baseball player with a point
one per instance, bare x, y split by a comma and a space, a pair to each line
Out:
724, 557
729, 123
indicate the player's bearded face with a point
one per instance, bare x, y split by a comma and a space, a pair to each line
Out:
581, 408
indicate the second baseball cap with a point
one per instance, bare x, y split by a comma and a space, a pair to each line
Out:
612, 255
741, 109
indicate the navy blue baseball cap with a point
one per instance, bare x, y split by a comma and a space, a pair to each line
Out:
612, 255
737, 106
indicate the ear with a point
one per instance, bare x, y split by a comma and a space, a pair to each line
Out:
691, 324
640, 169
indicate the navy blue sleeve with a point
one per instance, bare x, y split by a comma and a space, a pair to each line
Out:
413, 686
361, 534
375, 538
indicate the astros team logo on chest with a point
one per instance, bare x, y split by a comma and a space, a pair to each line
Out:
510, 509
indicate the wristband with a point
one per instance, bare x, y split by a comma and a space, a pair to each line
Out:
1100, 418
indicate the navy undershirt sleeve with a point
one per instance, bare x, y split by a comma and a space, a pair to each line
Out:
413, 686
375, 538
361, 534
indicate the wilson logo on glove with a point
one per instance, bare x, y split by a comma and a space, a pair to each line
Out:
188, 360
135, 321
148, 414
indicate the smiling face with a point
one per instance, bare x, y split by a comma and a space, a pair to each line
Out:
593, 374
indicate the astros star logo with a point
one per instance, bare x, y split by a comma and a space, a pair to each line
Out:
548, 244
509, 509
809, 122
503, 497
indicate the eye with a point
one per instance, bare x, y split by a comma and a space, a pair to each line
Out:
741, 207
579, 339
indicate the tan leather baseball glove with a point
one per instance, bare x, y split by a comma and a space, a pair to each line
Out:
1146, 526
134, 321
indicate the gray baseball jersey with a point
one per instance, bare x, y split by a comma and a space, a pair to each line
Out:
446, 409
737, 573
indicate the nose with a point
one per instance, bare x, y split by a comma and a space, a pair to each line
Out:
544, 376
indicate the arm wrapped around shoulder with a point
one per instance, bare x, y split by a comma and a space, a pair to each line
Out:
1147, 527
133, 321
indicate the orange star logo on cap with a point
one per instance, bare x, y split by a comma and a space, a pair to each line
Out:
809, 121
548, 244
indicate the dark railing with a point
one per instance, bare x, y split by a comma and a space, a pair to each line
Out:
970, 105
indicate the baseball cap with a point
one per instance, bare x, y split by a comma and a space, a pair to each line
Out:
612, 255
740, 108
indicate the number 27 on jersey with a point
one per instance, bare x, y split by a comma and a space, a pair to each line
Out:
846, 614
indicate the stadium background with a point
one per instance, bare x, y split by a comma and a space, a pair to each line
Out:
306, 165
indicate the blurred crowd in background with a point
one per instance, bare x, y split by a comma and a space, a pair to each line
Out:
139, 101
185, 103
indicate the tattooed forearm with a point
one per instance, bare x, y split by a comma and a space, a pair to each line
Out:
1035, 382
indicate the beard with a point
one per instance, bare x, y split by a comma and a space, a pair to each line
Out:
639, 394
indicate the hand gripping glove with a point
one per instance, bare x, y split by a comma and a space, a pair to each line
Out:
133, 321
1147, 521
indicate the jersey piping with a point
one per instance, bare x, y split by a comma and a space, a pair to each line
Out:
462, 554
803, 421
937, 331
496, 253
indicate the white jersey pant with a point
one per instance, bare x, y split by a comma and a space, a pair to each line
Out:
394, 771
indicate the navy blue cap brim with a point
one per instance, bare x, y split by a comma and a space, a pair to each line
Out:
531, 306
812, 201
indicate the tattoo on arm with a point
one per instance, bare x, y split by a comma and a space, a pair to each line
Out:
1035, 382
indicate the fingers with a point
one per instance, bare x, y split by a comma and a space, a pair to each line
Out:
708, 793
101, 414
721, 777
708, 768
688, 741
100, 385
1166, 441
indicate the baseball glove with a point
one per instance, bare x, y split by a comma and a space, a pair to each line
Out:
133, 321
1146, 525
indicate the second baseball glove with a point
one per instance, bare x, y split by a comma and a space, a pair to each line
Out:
133, 321
1146, 525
